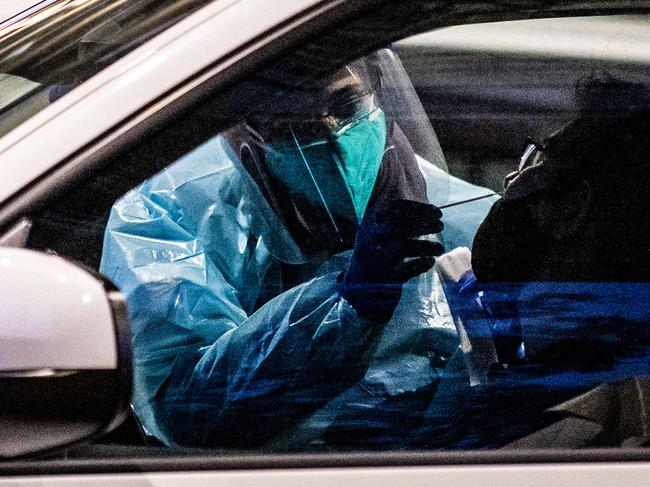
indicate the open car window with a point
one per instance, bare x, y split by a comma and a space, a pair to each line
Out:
276, 248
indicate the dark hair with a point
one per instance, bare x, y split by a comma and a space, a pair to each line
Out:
603, 95
607, 145
611, 135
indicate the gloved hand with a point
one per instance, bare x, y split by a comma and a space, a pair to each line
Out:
387, 236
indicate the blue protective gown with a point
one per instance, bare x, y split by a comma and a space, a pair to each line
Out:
212, 367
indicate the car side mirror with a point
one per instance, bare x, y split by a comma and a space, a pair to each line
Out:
65, 360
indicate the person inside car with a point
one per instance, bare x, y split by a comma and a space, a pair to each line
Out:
560, 268
264, 272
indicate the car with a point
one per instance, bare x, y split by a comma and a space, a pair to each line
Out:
108, 108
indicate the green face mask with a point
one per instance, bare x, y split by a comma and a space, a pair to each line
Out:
360, 152
339, 174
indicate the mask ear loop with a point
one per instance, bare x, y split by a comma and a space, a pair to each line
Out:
313, 179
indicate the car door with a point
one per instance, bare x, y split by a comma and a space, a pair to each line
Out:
64, 168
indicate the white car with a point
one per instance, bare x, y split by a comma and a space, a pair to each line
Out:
98, 97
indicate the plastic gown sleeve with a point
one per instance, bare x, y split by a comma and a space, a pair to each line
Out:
207, 370
286, 360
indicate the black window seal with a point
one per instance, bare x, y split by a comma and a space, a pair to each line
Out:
116, 460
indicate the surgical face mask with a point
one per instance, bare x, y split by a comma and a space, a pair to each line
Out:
338, 172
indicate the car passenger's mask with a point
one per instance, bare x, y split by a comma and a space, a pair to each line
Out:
337, 173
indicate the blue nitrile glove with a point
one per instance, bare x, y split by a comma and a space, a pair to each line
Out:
387, 236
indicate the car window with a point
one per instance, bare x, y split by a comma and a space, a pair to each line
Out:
64, 43
438, 246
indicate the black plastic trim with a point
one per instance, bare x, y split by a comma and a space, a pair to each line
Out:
124, 356
151, 459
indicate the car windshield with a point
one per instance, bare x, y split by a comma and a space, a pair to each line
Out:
46, 54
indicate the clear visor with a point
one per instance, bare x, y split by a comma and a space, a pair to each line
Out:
331, 148
400, 102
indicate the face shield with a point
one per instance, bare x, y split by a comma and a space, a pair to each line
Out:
319, 155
